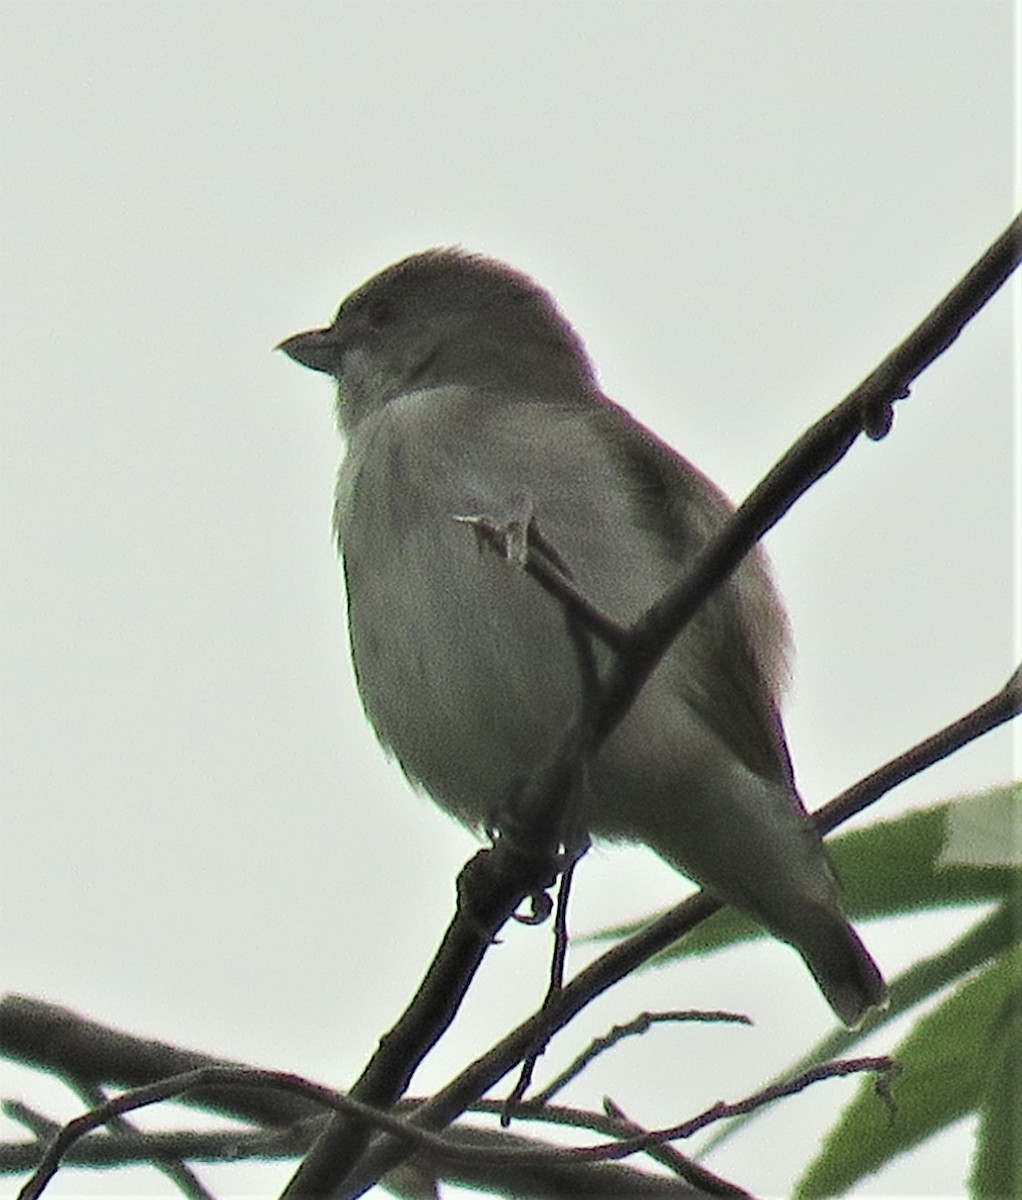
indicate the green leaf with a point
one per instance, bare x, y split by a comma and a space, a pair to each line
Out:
932, 857
985, 830
997, 1167
950, 1062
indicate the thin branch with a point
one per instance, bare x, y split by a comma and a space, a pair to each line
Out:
885, 1068
40, 1126
612, 1122
175, 1170
867, 408
236, 1145
637, 1026
545, 565
696, 1174
168, 1089
557, 964
476, 1157
1002, 707
994, 935
219, 1146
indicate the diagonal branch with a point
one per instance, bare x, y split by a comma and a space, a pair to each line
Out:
494, 883
868, 409
1003, 706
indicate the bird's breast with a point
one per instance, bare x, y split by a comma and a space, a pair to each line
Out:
463, 662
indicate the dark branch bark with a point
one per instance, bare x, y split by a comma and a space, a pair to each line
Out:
475, 1157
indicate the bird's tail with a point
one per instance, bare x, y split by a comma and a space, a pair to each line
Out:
842, 966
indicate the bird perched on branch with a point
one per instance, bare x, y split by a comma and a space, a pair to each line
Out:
463, 391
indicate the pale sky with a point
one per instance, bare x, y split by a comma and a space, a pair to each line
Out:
741, 207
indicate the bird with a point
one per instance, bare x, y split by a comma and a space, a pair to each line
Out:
461, 389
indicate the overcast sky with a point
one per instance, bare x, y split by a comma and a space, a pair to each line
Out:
740, 206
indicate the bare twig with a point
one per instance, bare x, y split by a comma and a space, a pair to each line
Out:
885, 1068
1003, 706
557, 964
42, 1127
613, 1123
530, 1061
477, 1158
149, 1147
639, 1025
548, 568
167, 1089
175, 1170
694, 1172
53, 1038
867, 408
464, 1146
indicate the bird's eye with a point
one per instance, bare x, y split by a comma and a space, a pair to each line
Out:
379, 313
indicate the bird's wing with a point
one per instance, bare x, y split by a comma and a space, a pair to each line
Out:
741, 647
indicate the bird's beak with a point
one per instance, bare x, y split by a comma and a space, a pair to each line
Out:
319, 349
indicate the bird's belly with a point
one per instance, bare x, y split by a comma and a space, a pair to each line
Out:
468, 675
464, 666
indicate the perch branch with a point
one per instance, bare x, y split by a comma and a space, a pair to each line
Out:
868, 408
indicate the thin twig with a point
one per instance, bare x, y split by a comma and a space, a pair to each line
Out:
57, 1039
545, 565
140, 1148
695, 1173
1002, 707
467, 1155
450, 1147
176, 1171
884, 1067
558, 960
637, 1026
167, 1089
812, 456
40, 1126
612, 1123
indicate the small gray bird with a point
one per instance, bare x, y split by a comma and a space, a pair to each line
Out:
462, 390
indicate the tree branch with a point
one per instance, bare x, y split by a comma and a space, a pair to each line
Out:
494, 882
471, 1156
1003, 706
868, 408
